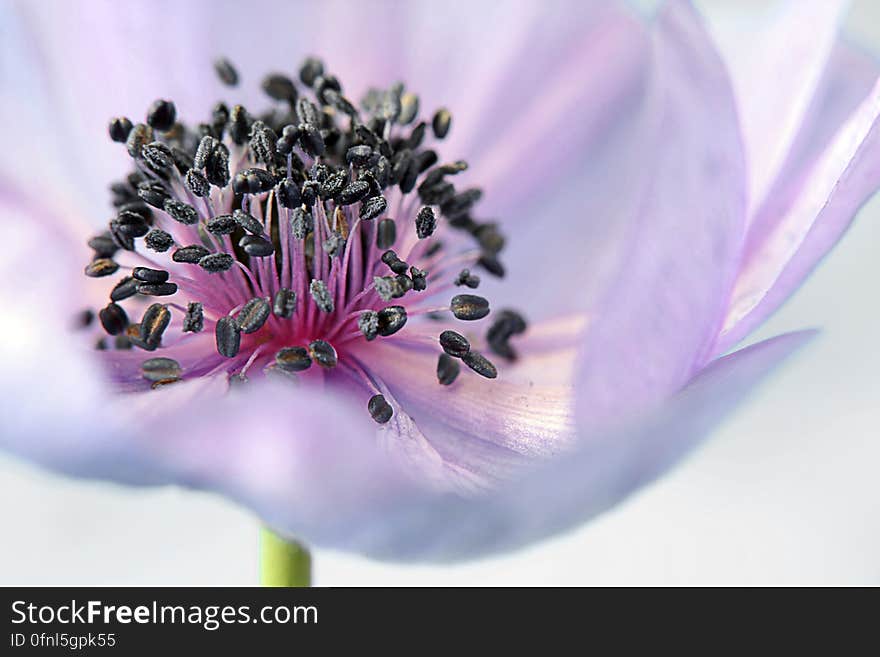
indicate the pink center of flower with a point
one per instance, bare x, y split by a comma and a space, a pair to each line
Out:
281, 244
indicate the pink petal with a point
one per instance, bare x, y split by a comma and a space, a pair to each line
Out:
832, 191
574, 488
564, 97
475, 433
657, 322
776, 63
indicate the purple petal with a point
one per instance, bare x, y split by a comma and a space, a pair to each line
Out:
832, 191
477, 432
656, 323
526, 418
572, 489
537, 70
776, 63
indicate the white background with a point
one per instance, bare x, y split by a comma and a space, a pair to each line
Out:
786, 492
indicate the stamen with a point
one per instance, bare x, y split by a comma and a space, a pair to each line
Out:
323, 353
426, 223
454, 344
469, 307
507, 324
113, 319
311, 70
301, 223
253, 315
255, 246
386, 233
222, 224
148, 275
124, 289
368, 323
293, 359
182, 212
373, 207
190, 254
466, 278
353, 192
480, 364
194, 320
161, 115
247, 221
491, 264
158, 240
119, 129
228, 337
380, 409
152, 326
157, 156
103, 246
441, 122
280, 87
284, 303
419, 279
161, 369
447, 369
394, 263
101, 267
157, 289
226, 72
391, 320
215, 263
138, 136
321, 296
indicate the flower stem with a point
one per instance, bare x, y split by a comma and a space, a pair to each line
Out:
283, 562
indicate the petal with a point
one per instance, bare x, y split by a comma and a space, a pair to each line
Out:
50, 395
590, 479
776, 62
655, 325
833, 190
558, 97
447, 57
528, 419
470, 435
846, 83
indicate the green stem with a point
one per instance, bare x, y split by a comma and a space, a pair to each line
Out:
282, 562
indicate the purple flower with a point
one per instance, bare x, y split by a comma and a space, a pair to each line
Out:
657, 201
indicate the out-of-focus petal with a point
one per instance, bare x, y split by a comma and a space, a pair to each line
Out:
50, 394
833, 190
656, 323
571, 489
776, 61
447, 57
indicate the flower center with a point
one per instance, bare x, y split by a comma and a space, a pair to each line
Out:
293, 236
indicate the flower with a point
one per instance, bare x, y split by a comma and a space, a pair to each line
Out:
664, 199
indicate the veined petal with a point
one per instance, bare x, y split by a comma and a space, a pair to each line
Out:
655, 325
575, 487
833, 190
533, 420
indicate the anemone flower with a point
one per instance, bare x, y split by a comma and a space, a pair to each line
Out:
410, 289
